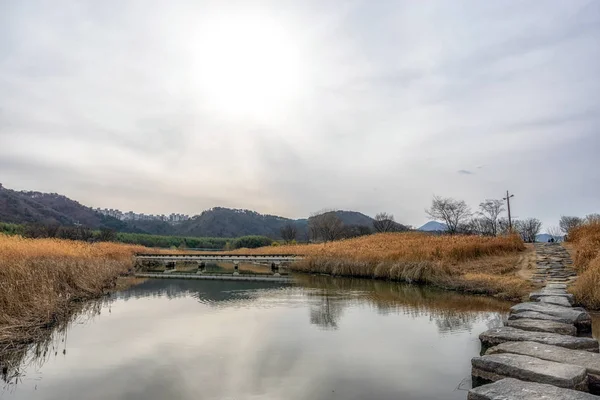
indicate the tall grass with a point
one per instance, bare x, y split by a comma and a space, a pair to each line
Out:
40, 278
469, 263
586, 243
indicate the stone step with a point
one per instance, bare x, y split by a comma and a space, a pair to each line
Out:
553, 285
494, 367
585, 359
557, 300
581, 319
550, 292
513, 389
496, 336
540, 325
538, 316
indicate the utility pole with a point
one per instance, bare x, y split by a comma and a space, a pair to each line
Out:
507, 198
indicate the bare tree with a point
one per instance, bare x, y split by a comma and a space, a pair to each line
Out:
567, 223
351, 231
556, 233
592, 218
490, 211
384, 222
453, 212
326, 226
528, 228
288, 232
504, 226
476, 226
107, 235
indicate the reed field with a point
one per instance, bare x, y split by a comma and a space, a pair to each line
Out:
40, 279
585, 241
485, 265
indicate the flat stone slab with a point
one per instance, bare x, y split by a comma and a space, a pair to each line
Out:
557, 300
513, 389
538, 316
495, 367
556, 286
540, 325
578, 317
582, 358
494, 337
545, 292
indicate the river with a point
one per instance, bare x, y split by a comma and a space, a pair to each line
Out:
322, 338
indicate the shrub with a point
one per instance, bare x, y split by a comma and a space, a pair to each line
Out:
586, 242
251, 242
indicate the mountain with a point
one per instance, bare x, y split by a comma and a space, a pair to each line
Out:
23, 207
51, 208
544, 237
433, 226
227, 222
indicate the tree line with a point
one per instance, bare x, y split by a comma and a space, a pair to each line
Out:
487, 220
327, 226
36, 231
568, 223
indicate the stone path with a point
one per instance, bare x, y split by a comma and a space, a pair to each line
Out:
553, 264
545, 350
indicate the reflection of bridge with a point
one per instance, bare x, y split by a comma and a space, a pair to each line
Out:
276, 262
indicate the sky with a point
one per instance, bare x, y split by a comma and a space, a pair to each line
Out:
288, 107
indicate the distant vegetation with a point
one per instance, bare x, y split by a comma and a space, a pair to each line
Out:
172, 241
107, 235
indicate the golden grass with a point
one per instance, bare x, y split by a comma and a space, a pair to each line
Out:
40, 278
586, 246
484, 265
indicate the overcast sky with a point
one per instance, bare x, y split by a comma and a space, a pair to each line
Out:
288, 107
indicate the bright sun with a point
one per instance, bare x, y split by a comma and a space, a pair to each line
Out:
247, 66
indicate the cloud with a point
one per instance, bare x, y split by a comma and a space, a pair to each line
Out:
114, 104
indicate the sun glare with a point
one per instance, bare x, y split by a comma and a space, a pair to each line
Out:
247, 65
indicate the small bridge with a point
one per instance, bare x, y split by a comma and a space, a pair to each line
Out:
276, 261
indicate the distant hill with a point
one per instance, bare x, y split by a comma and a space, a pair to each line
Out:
227, 222
50, 208
433, 226
544, 237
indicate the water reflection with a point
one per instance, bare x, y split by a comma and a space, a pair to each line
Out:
322, 338
451, 311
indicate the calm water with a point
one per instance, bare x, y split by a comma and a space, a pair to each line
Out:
321, 339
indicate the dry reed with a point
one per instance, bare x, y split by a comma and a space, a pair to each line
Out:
485, 265
41, 278
586, 243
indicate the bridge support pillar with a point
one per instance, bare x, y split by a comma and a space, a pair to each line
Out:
236, 268
201, 267
169, 267
278, 269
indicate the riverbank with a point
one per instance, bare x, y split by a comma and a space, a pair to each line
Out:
471, 264
41, 280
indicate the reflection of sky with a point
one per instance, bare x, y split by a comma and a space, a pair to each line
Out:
261, 346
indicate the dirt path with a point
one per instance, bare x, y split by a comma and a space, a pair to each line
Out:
527, 263
553, 264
